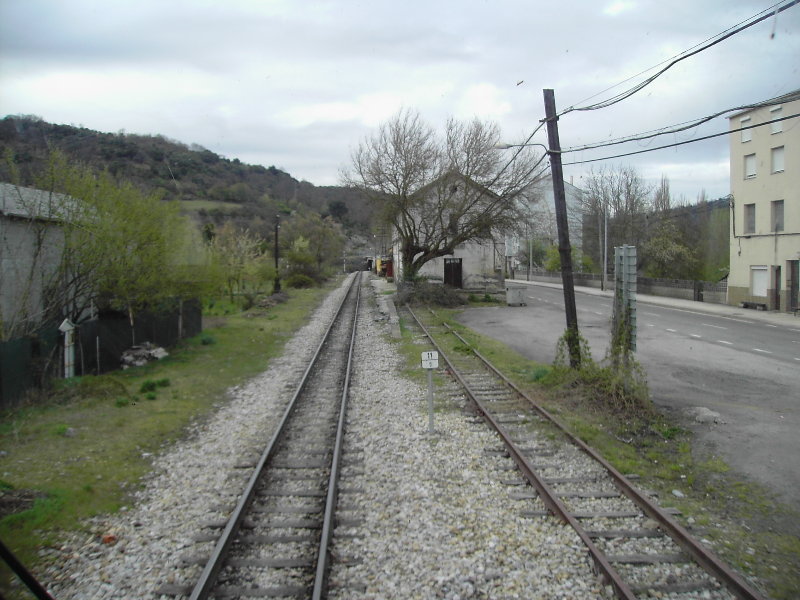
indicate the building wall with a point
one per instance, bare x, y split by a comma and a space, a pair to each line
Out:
481, 266
761, 253
30, 252
542, 225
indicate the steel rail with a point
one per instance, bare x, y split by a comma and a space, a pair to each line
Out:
702, 555
204, 586
609, 573
323, 555
707, 559
36, 588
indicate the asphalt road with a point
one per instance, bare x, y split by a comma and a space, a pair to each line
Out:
737, 363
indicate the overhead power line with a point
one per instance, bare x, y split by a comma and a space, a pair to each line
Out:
670, 129
700, 139
687, 54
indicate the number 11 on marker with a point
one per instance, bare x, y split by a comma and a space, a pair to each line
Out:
430, 360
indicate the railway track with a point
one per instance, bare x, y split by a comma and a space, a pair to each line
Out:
275, 540
636, 546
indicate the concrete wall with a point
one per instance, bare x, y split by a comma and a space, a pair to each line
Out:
30, 252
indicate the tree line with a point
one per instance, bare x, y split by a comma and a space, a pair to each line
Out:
100, 243
674, 240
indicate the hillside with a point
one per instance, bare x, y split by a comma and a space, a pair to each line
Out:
211, 186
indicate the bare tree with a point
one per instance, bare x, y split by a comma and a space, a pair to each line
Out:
662, 201
621, 195
440, 191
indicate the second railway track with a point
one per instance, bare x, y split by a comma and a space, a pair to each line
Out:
635, 546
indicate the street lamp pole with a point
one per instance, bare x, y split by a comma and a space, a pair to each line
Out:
605, 245
277, 287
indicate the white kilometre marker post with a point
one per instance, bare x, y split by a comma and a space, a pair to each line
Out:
68, 329
430, 361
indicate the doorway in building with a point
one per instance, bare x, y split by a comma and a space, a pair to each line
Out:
777, 288
793, 284
452, 272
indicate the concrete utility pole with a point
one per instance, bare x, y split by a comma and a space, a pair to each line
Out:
564, 248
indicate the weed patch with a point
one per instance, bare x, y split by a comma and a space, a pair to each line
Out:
425, 293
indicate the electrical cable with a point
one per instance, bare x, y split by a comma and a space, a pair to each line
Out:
766, 10
682, 126
687, 54
700, 139
517, 153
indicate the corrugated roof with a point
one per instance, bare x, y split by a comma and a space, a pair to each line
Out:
26, 203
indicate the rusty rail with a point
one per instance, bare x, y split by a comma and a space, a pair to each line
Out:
703, 556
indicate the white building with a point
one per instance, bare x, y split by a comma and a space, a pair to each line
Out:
765, 206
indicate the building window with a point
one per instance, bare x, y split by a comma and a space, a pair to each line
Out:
759, 276
747, 134
777, 159
749, 166
749, 218
777, 215
775, 113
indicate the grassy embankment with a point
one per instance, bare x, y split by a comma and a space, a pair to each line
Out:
83, 448
747, 527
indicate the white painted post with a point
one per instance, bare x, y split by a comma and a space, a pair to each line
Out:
68, 329
430, 361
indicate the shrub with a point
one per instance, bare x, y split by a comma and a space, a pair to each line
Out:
618, 383
539, 373
298, 280
425, 293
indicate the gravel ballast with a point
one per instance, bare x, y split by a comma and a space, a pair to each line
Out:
434, 514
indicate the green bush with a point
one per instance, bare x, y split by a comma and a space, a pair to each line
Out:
422, 292
299, 281
618, 383
539, 373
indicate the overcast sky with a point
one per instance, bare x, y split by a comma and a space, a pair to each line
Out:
296, 84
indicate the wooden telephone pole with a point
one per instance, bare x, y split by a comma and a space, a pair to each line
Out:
564, 248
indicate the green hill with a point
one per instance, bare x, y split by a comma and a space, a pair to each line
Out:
210, 186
